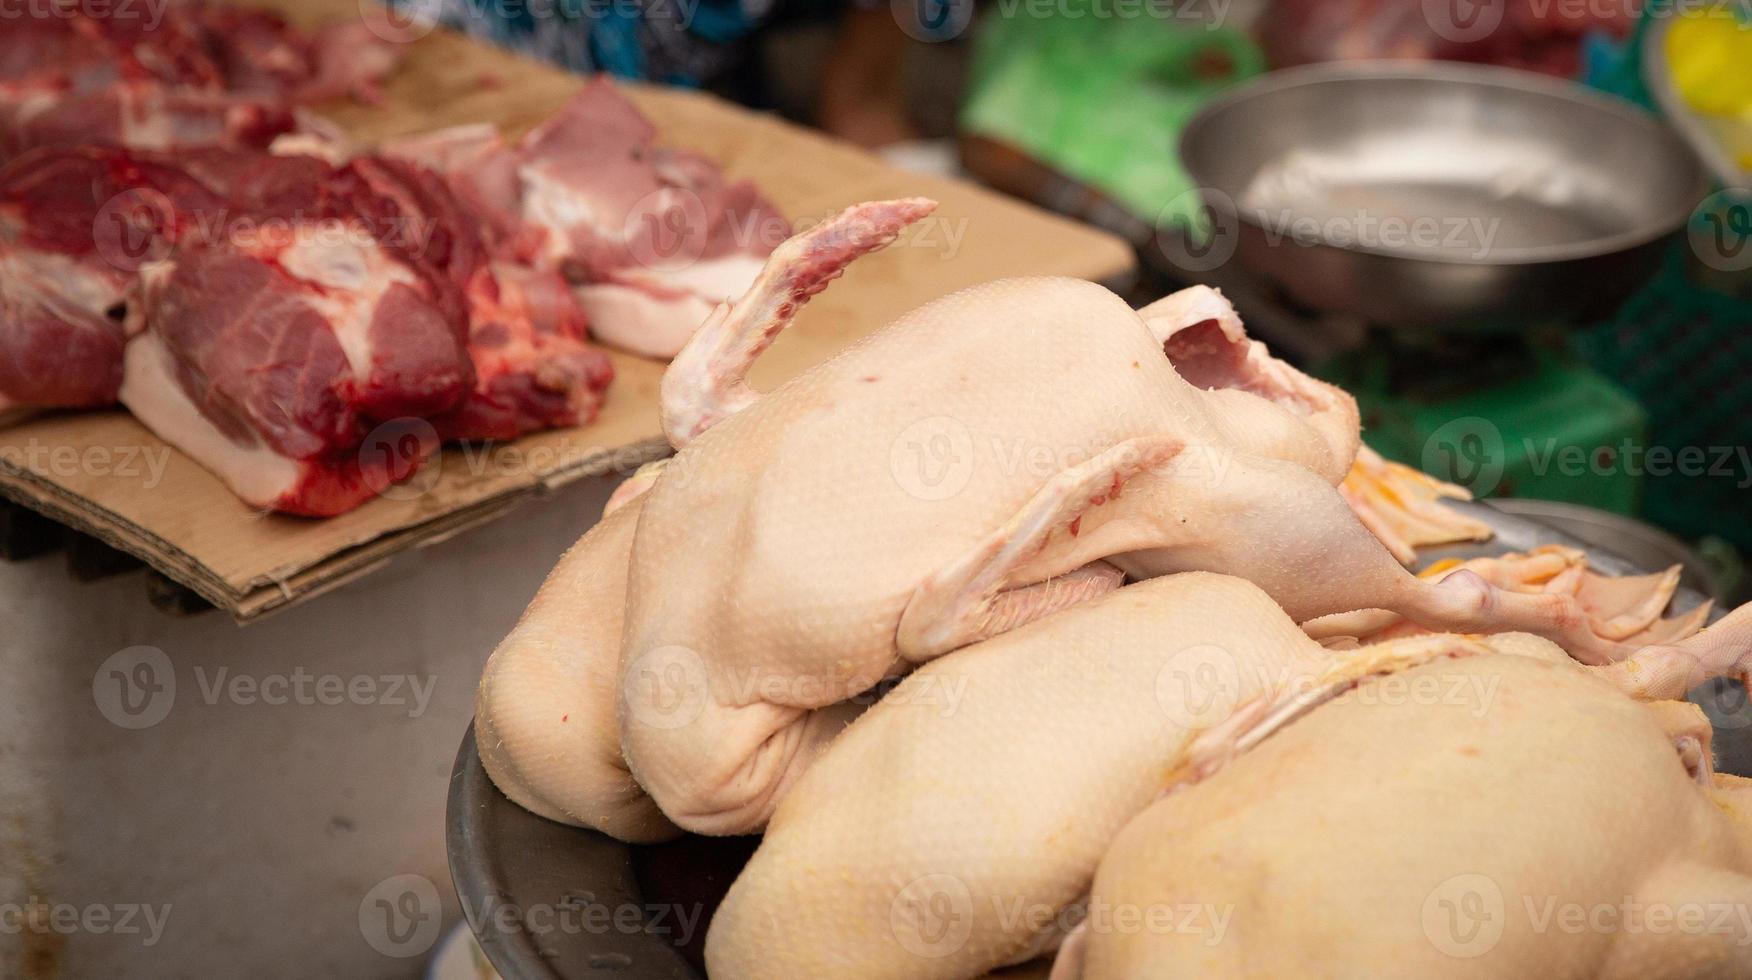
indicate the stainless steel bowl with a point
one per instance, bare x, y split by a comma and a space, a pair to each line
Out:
1440, 197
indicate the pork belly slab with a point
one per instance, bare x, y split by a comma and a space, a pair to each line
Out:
651, 239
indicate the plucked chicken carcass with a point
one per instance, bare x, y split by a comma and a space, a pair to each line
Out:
652, 238
921, 491
956, 826
981, 792
1541, 823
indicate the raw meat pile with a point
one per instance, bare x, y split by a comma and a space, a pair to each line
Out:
1105, 575
652, 238
1538, 35
163, 76
306, 322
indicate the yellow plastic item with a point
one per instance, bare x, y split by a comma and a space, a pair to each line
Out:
1711, 58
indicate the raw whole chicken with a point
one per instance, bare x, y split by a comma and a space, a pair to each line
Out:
923, 845
953, 828
1530, 821
993, 457
989, 458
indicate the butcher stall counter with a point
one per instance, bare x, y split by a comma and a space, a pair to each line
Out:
106, 475
251, 800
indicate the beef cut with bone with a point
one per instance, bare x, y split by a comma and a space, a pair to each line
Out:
891, 505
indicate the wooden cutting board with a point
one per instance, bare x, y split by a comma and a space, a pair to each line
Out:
103, 473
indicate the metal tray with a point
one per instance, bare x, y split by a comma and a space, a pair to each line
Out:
551, 902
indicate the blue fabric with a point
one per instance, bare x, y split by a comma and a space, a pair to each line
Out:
678, 42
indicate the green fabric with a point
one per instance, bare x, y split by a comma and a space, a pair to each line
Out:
1100, 96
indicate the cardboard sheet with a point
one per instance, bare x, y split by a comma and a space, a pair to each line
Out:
104, 474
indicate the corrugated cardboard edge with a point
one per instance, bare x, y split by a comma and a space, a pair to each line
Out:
269, 596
